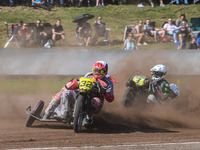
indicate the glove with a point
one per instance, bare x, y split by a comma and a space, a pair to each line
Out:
151, 98
95, 88
103, 91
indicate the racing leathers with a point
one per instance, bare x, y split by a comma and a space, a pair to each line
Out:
66, 98
97, 102
98, 99
160, 91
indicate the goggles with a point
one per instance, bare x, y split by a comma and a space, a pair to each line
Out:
157, 74
98, 71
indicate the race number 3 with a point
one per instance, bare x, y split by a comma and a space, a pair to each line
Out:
86, 83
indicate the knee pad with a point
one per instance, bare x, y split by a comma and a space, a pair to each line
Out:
96, 103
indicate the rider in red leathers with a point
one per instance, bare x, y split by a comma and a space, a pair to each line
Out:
68, 94
99, 73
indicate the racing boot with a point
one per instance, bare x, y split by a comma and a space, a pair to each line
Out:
88, 120
50, 109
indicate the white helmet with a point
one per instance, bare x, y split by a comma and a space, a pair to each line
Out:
174, 88
158, 72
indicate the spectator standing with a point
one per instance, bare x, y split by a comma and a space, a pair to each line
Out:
80, 3
170, 28
129, 43
71, 3
181, 44
193, 44
11, 3
39, 36
58, 32
185, 2
139, 33
100, 29
61, 3
40, 3
152, 4
98, 3
152, 31
85, 31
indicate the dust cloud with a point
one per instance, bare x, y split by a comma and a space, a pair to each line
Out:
180, 112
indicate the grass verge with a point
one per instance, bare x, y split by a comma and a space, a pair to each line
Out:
116, 17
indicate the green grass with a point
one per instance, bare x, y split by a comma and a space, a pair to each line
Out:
32, 85
116, 17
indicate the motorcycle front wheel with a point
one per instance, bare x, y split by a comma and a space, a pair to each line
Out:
129, 97
78, 115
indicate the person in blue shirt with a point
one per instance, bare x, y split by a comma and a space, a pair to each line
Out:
40, 3
198, 42
181, 44
129, 43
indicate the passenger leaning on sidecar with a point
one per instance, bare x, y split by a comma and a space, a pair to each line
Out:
159, 86
66, 98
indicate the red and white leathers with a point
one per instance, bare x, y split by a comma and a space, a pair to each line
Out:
66, 98
96, 102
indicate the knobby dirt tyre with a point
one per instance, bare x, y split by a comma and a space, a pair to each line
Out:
78, 116
36, 112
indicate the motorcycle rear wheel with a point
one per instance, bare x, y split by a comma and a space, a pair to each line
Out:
36, 112
78, 116
129, 97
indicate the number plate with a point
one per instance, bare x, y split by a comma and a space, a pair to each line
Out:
139, 80
85, 84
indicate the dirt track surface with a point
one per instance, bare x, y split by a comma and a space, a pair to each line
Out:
173, 125
116, 127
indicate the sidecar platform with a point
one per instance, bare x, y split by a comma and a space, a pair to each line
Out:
39, 118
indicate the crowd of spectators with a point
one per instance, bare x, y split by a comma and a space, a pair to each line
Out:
96, 3
42, 34
177, 31
38, 35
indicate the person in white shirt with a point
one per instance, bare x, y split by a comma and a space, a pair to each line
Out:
170, 29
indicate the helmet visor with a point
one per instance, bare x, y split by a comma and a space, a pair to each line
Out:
98, 72
157, 74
